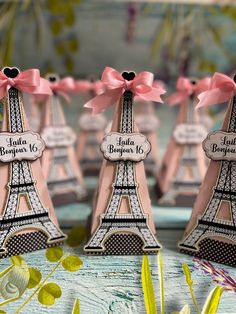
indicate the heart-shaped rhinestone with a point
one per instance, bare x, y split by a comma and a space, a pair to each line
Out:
11, 72
128, 76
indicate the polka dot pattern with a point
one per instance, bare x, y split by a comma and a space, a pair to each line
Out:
123, 244
216, 251
27, 242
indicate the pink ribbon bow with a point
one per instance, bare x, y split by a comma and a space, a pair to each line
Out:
159, 83
83, 86
63, 87
185, 88
221, 89
156, 84
116, 85
27, 81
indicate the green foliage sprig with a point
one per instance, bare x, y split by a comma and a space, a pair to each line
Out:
58, 16
49, 292
211, 303
76, 309
19, 277
185, 48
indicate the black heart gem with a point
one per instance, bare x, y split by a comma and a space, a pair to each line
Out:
11, 72
128, 76
52, 78
234, 78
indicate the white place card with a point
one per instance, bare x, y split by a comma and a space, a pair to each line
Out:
220, 145
120, 146
18, 146
56, 136
186, 133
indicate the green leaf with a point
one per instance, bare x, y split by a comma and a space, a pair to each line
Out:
39, 23
25, 5
72, 263
60, 48
18, 260
49, 293
161, 33
212, 301
6, 270
76, 236
2, 312
161, 281
207, 65
189, 282
9, 37
35, 278
148, 291
73, 45
76, 309
187, 273
53, 254
69, 64
185, 309
69, 18
56, 27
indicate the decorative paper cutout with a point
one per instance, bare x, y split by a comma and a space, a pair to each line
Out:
17, 146
90, 123
117, 146
57, 136
148, 124
220, 145
183, 166
122, 222
91, 130
61, 170
211, 231
28, 220
187, 133
32, 111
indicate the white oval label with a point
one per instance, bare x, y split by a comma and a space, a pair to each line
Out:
147, 123
121, 146
185, 133
58, 136
88, 122
220, 145
18, 146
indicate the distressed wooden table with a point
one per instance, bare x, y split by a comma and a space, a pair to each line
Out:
112, 284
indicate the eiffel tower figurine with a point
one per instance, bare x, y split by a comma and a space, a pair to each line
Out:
63, 174
92, 129
183, 166
26, 224
148, 123
211, 232
124, 223
32, 111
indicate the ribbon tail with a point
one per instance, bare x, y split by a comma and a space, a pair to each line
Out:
42, 89
176, 98
153, 95
213, 97
64, 95
3, 91
103, 101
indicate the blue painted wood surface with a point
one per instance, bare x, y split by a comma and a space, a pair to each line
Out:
113, 284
